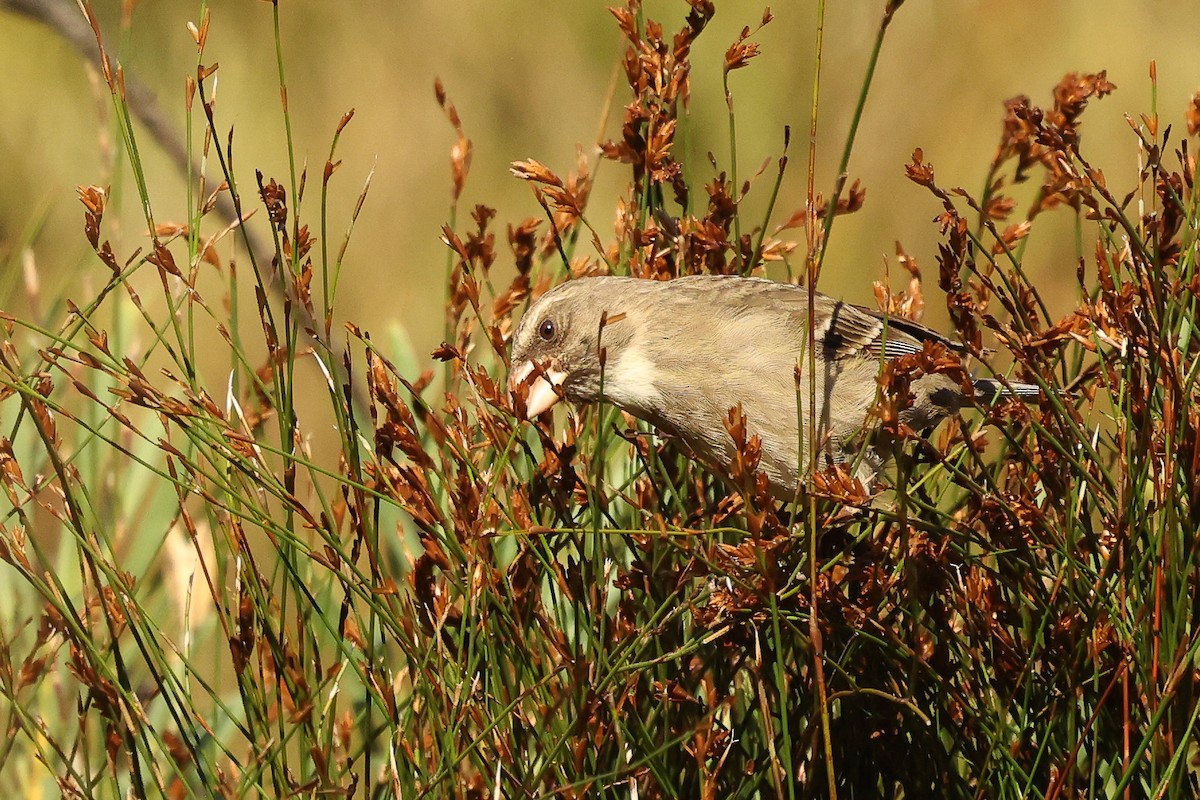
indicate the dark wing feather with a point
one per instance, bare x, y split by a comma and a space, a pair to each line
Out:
856, 332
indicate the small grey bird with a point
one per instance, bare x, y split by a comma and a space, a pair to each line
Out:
680, 354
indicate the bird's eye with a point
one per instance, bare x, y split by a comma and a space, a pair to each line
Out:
546, 330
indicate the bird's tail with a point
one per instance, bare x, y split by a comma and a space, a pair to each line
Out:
989, 389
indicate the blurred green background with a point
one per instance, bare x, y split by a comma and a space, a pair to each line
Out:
530, 81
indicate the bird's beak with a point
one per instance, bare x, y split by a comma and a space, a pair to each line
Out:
545, 387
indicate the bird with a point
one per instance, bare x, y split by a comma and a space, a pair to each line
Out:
679, 354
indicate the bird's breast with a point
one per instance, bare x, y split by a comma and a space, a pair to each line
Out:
631, 381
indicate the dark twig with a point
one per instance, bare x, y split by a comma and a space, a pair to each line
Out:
63, 17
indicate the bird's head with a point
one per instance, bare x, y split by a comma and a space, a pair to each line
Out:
568, 342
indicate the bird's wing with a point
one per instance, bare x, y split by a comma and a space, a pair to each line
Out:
854, 331
844, 329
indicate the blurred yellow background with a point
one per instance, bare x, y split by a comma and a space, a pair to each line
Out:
529, 80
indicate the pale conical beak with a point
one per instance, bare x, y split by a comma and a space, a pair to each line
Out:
545, 387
